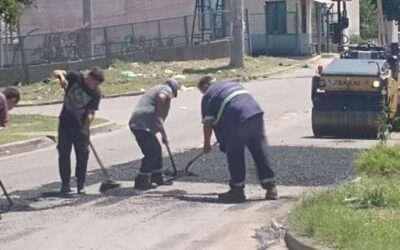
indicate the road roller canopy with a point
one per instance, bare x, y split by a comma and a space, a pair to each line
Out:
355, 67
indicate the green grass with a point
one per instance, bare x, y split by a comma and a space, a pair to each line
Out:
149, 74
379, 160
361, 215
27, 126
356, 216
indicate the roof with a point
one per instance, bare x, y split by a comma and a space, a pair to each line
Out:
357, 67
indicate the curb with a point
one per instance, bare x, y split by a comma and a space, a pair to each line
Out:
43, 142
24, 146
296, 242
240, 79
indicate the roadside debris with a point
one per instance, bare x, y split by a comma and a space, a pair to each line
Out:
131, 74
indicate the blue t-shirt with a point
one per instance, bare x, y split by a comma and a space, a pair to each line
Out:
226, 105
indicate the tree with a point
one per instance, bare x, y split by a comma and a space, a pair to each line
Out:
368, 20
10, 10
237, 45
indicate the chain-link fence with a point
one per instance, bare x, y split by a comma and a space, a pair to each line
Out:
111, 41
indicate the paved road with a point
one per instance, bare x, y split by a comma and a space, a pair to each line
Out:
185, 215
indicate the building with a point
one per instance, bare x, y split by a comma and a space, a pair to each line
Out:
295, 27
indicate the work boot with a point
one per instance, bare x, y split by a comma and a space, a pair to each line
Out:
158, 179
272, 191
234, 195
143, 182
81, 188
65, 189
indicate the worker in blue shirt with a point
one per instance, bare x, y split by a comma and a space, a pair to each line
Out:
237, 121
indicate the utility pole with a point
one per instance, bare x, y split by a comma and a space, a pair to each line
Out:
237, 45
381, 24
87, 7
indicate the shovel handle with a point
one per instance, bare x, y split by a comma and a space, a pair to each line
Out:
175, 170
103, 169
10, 202
189, 164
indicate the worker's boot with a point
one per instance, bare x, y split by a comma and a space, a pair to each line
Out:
81, 187
143, 182
158, 179
65, 188
272, 191
234, 195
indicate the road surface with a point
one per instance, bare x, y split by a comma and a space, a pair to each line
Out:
185, 215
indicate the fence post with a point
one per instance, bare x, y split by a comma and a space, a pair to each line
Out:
319, 28
186, 28
23, 59
298, 49
249, 42
159, 33
106, 43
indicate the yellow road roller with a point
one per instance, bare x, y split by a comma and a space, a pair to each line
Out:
353, 97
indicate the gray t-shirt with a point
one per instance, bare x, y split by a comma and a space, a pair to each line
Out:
145, 115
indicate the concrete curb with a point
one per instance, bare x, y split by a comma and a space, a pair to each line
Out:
296, 242
241, 79
60, 102
42, 142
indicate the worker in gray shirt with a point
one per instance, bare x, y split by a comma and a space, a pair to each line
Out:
146, 122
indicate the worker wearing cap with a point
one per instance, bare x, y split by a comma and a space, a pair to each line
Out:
146, 122
9, 98
237, 121
82, 99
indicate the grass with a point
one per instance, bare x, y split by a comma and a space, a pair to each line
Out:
27, 126
380, 160
119, 77
341, 219
361, 215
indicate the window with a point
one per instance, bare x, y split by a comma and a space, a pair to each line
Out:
276, 17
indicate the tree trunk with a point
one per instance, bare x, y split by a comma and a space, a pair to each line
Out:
237, 45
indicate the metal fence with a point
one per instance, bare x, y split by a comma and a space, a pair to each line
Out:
109, 41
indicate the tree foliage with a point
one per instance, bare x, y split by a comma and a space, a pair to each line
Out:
391, 9
10, 10
368, 20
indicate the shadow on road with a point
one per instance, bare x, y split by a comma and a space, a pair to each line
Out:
293, 165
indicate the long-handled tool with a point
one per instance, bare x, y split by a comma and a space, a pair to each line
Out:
186, 171
171, 158
10, 202
108, 183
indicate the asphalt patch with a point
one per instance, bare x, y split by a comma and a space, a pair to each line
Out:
293, 166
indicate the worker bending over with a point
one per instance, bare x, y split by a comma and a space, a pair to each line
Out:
237, 120
146, 122
82, 99
9, 98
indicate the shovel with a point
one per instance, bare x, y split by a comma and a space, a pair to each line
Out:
10, 202
186, 171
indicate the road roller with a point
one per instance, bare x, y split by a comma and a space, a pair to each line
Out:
353, 96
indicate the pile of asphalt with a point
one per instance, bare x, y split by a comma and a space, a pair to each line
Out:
297, 166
